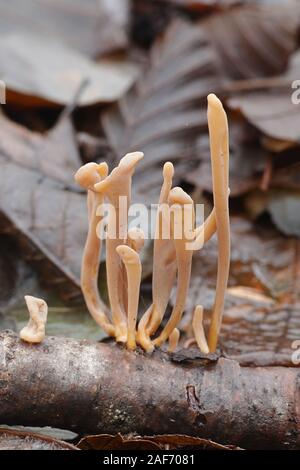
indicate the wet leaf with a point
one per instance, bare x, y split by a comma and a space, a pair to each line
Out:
269, 105
41, 211
61, 434
54, 154
282, 205
160, 442
177, 441
29, 78
21, 440
284, 210
101, 23
263, 299
247, 162
165, 112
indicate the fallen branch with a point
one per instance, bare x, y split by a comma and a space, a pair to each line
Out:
93, 388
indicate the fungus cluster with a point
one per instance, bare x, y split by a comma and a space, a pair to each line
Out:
172, 256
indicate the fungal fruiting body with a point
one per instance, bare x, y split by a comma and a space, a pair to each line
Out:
173, 340
34, 331
219, 145
133, 266
173, 249
164, 267
87, 176
117, 188
182, 206
199, 330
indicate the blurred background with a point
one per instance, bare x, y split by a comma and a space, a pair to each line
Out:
93, 80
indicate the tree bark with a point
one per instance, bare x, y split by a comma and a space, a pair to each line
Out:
102, 388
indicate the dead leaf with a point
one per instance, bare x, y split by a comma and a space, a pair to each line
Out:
47, 431
102, 23
281, 204
54, 154
247, 162
38, 203
165, 112
21, 440
264, 41
284, 210
118, 442
177, 441
160, 442
269, 106
263, 300
37, 71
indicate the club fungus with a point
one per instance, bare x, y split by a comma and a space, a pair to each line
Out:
117, 188
180, 202
173, 248
199, 330
174, 340
219, 145
87, 176
164, 267
34, 331
133, 266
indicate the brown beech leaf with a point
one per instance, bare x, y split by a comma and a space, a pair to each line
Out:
179, 441
54, 154
253, 169
118, 442
266, 36
164, 113
160, 442
268, 104
21, 440
38, 204
102, 27
37, 71
247, 162
263, 299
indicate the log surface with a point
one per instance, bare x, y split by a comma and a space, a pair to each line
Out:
97, 388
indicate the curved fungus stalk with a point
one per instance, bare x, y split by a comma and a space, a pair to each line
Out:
173, 340
34, 331
136, 241
86, 177
164, 267
219, 145
204, 232
133, 266
198, 329
117, 188
182, 206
